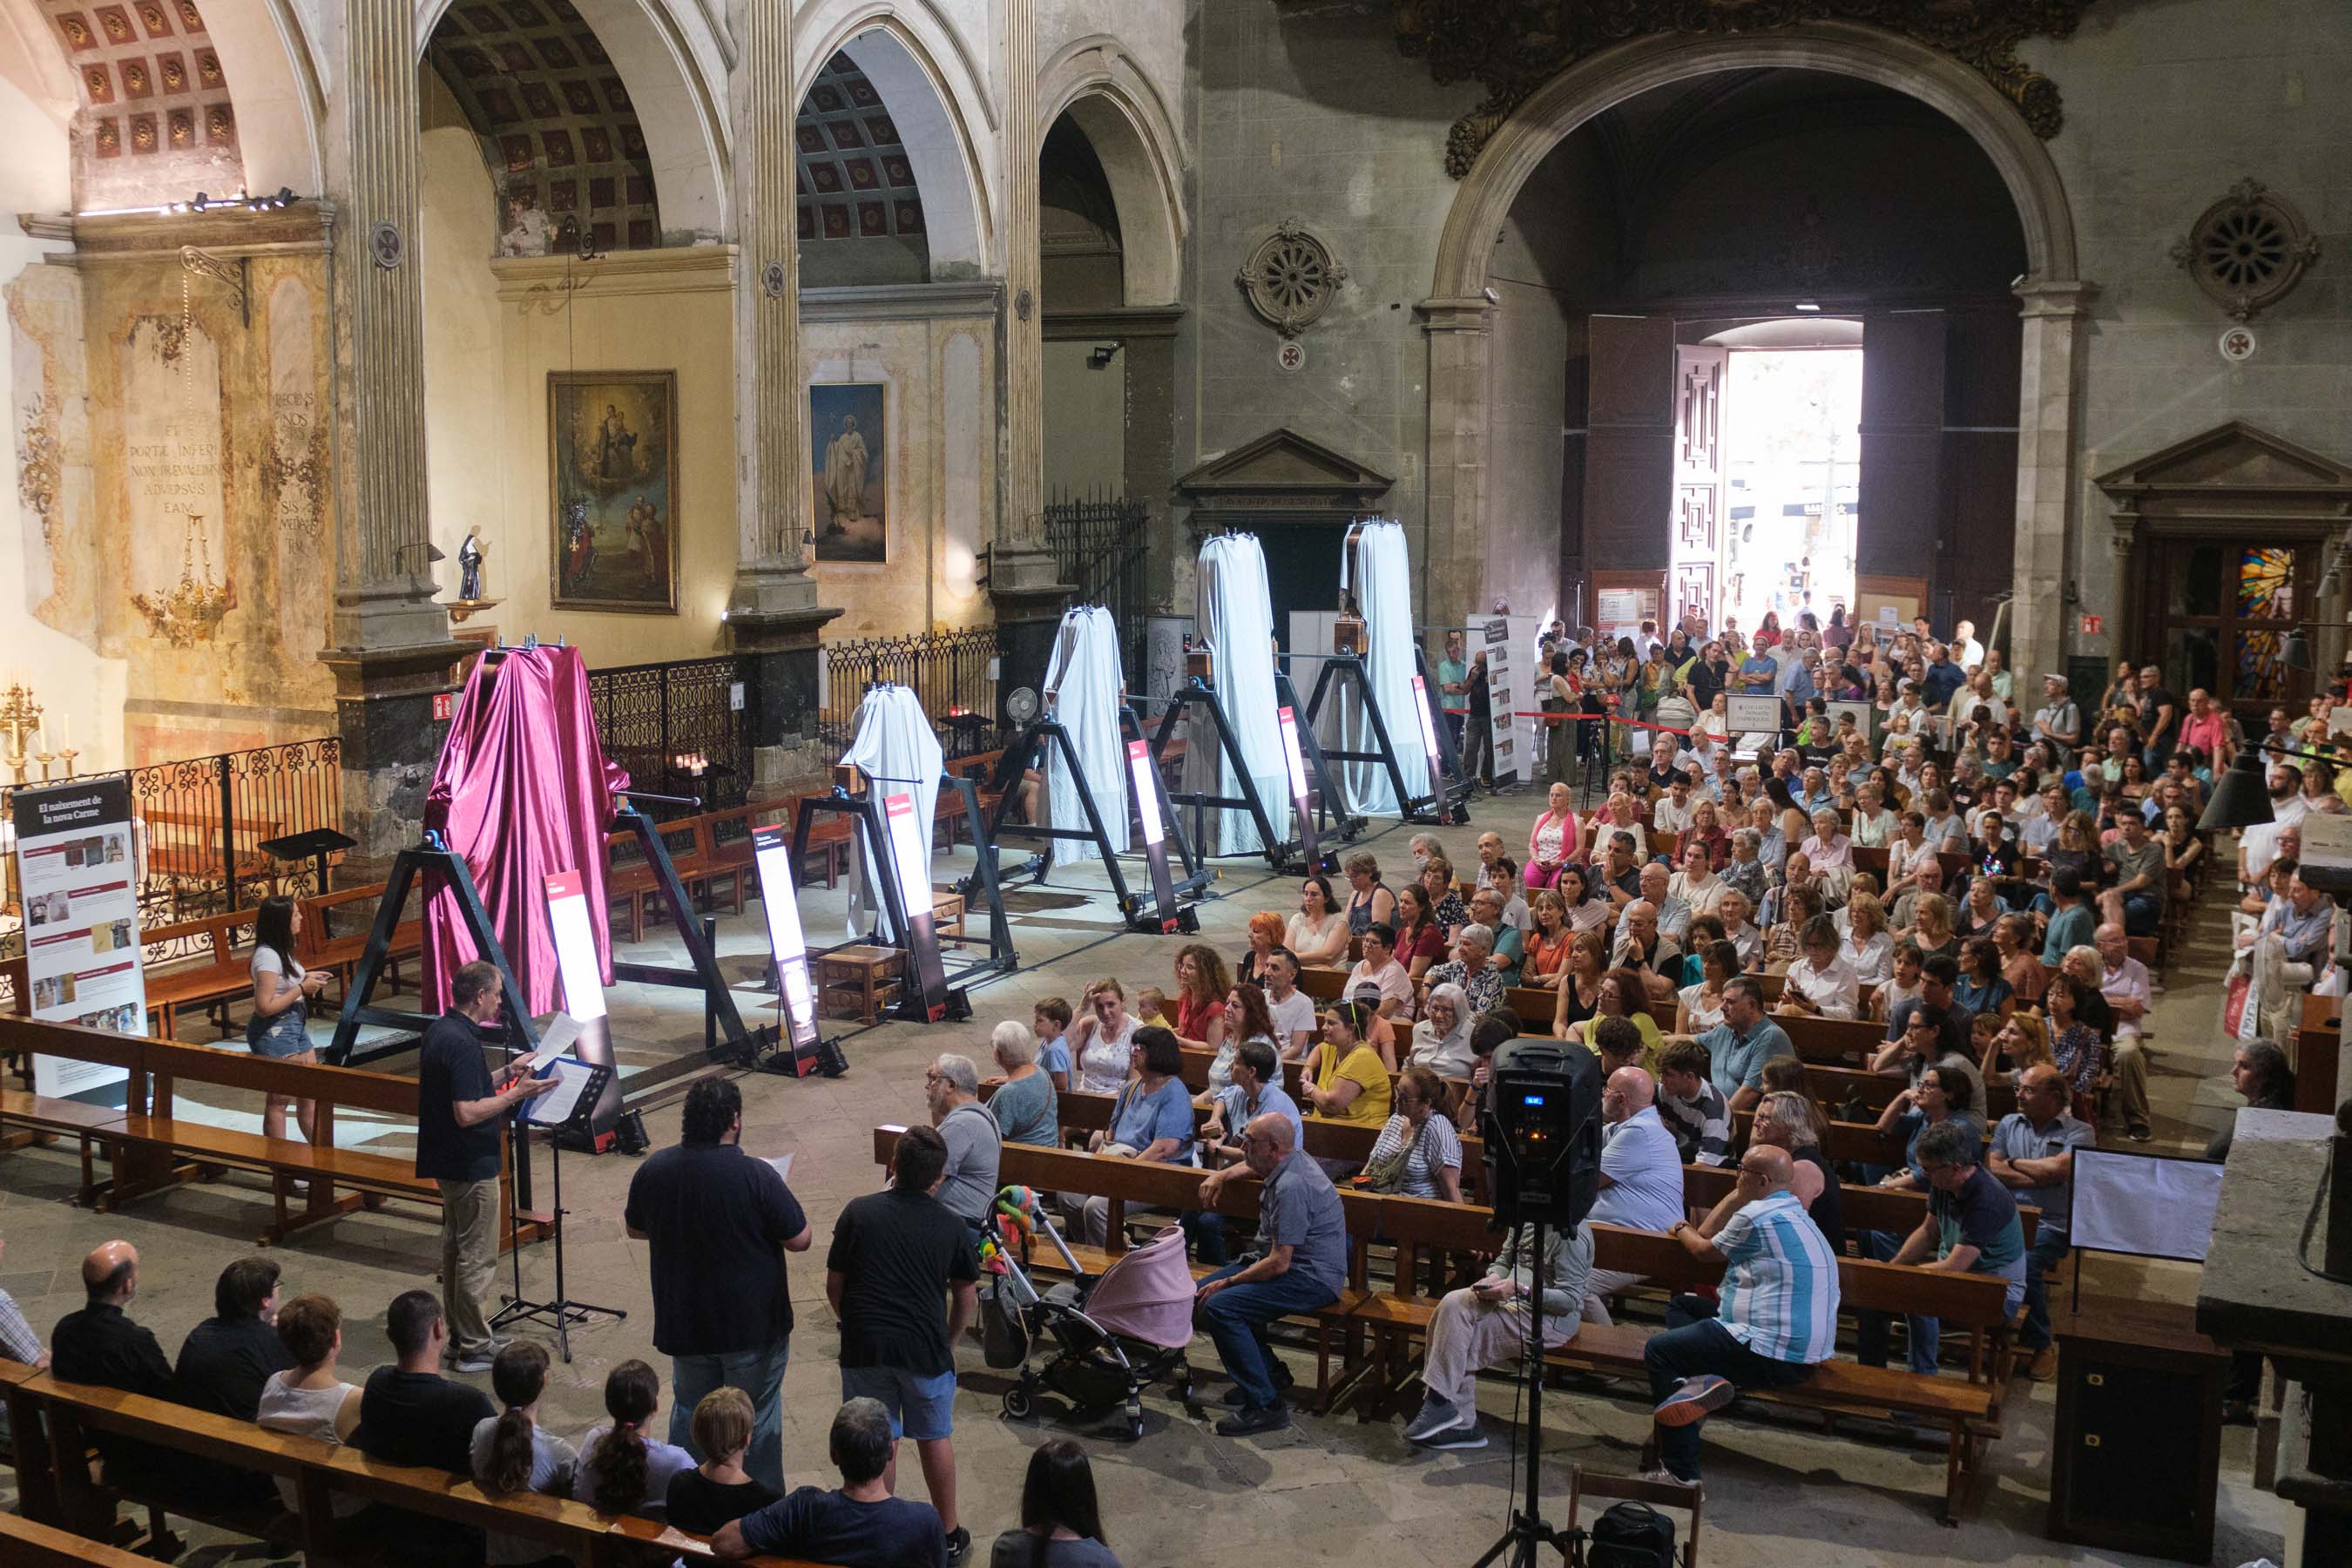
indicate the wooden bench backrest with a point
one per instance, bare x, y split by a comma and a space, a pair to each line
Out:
32, 1545
354, 1088
1324, 984
321, 1470
217, 933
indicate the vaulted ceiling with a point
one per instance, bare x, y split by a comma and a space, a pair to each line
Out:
854, 179
566, 154
157, 123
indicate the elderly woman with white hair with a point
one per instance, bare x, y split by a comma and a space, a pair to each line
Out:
1025, 1104
1787, 1120
1441, 1041
1472, 970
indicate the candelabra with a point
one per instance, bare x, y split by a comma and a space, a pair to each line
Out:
20, 716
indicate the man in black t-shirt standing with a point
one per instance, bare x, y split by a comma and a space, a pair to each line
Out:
459, 1112
898, 1257
720, 1222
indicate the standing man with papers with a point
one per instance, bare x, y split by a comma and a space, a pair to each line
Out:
457, 1115
721, 1222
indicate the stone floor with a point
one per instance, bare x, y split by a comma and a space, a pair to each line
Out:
1329, 1491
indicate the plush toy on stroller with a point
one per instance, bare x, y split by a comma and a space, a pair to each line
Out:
1113, 1335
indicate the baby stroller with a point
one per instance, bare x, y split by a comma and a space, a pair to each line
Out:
1111, 1335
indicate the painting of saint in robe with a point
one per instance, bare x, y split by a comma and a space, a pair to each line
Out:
613, 466
848, 451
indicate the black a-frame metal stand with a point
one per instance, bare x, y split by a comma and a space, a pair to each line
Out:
1436, 806
743, 1045
918, 997
1282, 854
434, 856
1028, 752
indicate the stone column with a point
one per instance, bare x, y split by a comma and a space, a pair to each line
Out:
2048, 414
392, 650
1453, 565
1025, 580
772, 614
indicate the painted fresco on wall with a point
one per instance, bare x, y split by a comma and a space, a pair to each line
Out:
847, 453
613, 462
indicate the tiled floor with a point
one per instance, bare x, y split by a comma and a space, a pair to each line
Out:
1780, 1490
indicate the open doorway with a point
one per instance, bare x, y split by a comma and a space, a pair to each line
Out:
1792, 467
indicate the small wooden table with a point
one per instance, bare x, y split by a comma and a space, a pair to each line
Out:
2135, 1457
2317, 1044
860, 978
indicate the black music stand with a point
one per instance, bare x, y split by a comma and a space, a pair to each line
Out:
319, 842
561, 1311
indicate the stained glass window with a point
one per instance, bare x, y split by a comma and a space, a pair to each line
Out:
2265, 591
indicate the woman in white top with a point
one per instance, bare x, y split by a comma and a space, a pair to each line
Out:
621, 1470
1421, 1132
1318, 933
1102, 1038
1699, 1007
309, 1400
1441, 1041
1619, 817
1873, 825
1869, 946
1906, 852
282, 990
1717, 720
513, 1453
1821, 981
1555, 839
1697, 884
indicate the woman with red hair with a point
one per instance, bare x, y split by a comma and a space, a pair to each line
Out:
1265, 928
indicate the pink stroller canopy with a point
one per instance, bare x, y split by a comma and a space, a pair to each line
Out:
1148, 1293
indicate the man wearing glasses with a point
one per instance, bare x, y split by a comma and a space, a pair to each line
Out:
1970, 1227
975, 1143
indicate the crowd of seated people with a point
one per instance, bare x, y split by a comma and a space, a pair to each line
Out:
276, 1364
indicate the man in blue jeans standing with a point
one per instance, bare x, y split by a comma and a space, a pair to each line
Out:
720, 1222
1777, 1317
2033, 1156
1301, 1264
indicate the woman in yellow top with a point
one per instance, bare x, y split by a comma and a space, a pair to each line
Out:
1345, 1079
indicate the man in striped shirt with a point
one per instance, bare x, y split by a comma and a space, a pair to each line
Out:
1777, 1315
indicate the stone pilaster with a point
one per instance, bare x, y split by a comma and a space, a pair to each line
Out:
1461, 345
1024, 576
2048, 417
772, 614
392, 647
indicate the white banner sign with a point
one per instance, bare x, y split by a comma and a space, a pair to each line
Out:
75, 875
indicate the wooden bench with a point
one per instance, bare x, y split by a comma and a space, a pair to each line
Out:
216, 975
57, 1492
149, 1149
1175, 1188
1967, 1411
321, 948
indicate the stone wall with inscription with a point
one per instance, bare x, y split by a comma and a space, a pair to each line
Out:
187, 530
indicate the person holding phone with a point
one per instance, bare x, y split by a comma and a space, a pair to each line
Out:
1485, 1325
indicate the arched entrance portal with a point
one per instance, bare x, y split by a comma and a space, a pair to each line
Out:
1461, 316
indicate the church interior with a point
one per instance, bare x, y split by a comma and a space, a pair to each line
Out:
650, 440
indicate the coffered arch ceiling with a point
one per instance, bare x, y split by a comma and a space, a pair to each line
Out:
567, 155
859, 203
155, 122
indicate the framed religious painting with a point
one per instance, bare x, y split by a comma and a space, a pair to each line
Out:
612, 488
849, 511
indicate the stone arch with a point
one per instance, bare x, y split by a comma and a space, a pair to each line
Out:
1558, 108
1458, 314
1094, 82
935, 91
279, 89
674, 65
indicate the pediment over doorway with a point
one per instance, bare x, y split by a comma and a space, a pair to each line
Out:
2232, 457
1283, 471
2234, 479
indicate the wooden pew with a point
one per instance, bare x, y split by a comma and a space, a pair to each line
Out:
1967, 1411
59, 1493
321, 948
150, 1149
1176, 1188
215, 977
31, 1545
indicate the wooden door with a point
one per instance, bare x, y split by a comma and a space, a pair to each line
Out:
1697, 543
2219, 614
1629, 469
